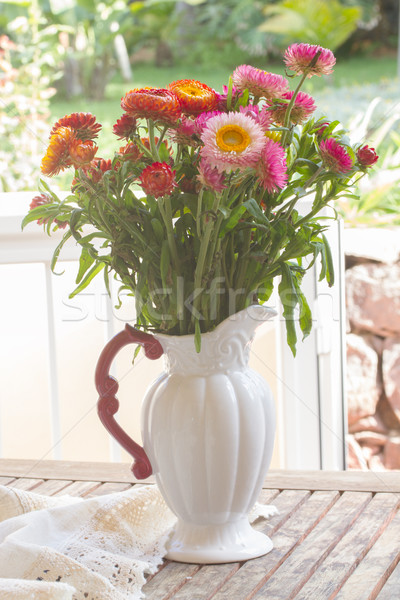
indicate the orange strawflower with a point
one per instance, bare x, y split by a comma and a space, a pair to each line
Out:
84, 125
152, 103
39, 200
125, 127
130, 152
195, 97
57, 156
82, 153
94, 171
158, 179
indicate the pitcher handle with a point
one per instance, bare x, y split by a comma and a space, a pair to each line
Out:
107, 387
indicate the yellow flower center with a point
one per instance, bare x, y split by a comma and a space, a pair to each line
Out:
275, 136
232, 138
192, 90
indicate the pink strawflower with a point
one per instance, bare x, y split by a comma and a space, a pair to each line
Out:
271, 168
298, 58
259, 83
201, 120
183, 134
262, 117
334, 156
232, 141
39, 201
222, 98
303, 107
367, 156
210, 177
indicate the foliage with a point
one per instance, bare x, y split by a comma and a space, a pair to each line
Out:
379, 202
194, 243
313, 21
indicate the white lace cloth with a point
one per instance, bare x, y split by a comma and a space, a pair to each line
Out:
72, 549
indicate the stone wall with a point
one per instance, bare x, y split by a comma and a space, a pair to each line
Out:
373, 347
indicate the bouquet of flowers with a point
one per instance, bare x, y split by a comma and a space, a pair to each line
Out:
198, 211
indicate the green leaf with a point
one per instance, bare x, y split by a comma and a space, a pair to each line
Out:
305, 317
330, 272
253, 208
56, 252
288, 296
158, 229
233, 220
85, 262
85, 282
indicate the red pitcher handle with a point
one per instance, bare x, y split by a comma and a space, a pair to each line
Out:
107, 387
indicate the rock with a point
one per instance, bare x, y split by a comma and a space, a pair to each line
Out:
370, 438
371, 243
372, 423
355, 457
391, 453
376, 463
391, 374
363, 386
373, 298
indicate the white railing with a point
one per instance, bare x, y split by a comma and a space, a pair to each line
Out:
49, 347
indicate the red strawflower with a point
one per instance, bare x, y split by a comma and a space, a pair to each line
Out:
57, 156
152, 103
39, 201
130, 152
334, 156
366, 156
195, 97
125, 127
82, 153
158, 179
84, 125
96, 169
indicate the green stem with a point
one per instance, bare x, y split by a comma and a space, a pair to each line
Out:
153, 146
198, 274
166, 214
198, 214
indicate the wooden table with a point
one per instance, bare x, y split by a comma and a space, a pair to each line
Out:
337, 534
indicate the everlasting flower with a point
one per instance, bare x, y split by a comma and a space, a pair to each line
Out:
271, 168
130, 152
158, 179
303, 107
152, 103
210, 177
125, 127
232, 141
184, 133
334, 156
223, 98
57, 156
39, 201
298, 58
366, 156
195, 97
94, 171
83, 124
259, 83
82, 153
201, 120
262, 117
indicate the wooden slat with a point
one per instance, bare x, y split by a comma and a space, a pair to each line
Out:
79, 488
348, 553
24, 483
308, 554
51, 487
279, 479
109, 488
390, 590
373, 571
